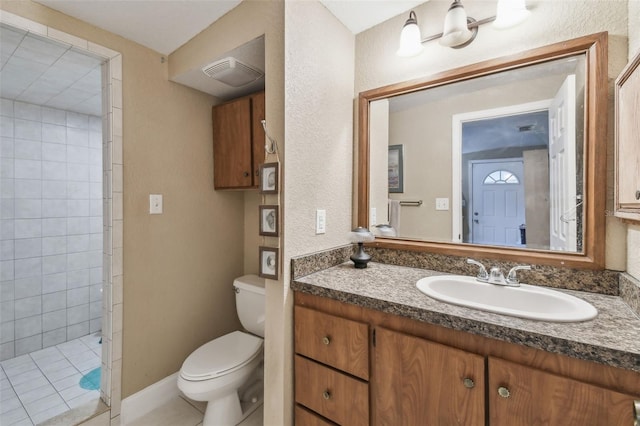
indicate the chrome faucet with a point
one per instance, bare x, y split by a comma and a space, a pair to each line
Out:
512, 280
495, 275
482, 274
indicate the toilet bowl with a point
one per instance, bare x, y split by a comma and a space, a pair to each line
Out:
218, 369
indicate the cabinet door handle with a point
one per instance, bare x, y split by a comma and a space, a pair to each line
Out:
468, 383
638, 194
504, 392
326, 340
326, 394
636, 412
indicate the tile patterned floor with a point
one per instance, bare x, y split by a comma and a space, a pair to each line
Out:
43, 384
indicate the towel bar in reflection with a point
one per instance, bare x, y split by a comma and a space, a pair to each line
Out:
417, 203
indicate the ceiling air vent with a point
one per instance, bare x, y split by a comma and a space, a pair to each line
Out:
232, 72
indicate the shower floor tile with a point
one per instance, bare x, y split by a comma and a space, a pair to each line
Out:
43, 384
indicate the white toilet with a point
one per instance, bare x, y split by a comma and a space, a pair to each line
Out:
227, 372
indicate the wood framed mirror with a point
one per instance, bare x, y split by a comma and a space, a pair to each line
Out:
503, 159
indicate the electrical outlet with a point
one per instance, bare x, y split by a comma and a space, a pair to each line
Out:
321, 221
442, 204
155, 203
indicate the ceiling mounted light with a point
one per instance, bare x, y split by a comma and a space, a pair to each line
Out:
410, 39
456, 31
510, 13
459, 29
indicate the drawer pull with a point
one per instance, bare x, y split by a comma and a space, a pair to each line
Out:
468, 383
504, 392
326, 340
326, 395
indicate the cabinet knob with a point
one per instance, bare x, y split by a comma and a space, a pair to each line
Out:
326, 394
468, 383
326, 340
504, 392
638, 194
245, 174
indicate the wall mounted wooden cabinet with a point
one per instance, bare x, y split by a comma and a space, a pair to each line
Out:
391, 370
238, 142
627, 194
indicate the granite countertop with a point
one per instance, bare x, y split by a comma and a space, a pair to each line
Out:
612, 338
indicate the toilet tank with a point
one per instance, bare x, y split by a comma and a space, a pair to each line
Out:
250, 303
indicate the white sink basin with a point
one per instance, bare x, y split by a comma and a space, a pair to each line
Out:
526, 301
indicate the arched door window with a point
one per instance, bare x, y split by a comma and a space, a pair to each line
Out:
501, 177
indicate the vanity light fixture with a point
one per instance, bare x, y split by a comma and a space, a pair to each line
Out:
459, 29
360, 235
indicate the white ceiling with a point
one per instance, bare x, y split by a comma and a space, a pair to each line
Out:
40, 71
162, 25
166, 25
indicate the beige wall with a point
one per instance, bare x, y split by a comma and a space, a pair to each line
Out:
319, 92
242, 24
550, 22
178, 266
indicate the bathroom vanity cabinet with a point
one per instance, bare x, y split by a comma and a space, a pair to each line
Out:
627, 194
238, 142
418, 373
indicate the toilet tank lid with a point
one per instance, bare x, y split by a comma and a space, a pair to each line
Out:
251, 283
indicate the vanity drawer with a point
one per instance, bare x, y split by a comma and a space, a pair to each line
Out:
334, 395
331, 340
305, 417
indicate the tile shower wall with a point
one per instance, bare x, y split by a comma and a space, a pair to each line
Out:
51, 226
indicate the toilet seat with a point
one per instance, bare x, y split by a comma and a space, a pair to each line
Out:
221, 356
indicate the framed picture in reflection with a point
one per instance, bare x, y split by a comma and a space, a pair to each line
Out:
396, 168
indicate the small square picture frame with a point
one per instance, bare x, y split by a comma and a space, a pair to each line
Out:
269, 178
268, 215
268, 262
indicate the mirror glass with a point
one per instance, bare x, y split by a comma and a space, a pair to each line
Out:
494, 160
505, 158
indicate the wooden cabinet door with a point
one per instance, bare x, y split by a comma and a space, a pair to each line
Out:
417, 382
232, 167
258, 139
520, 395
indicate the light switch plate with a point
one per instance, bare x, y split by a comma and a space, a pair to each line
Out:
442, 204
155, 203
321, 221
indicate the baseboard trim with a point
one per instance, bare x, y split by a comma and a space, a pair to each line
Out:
148, 399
